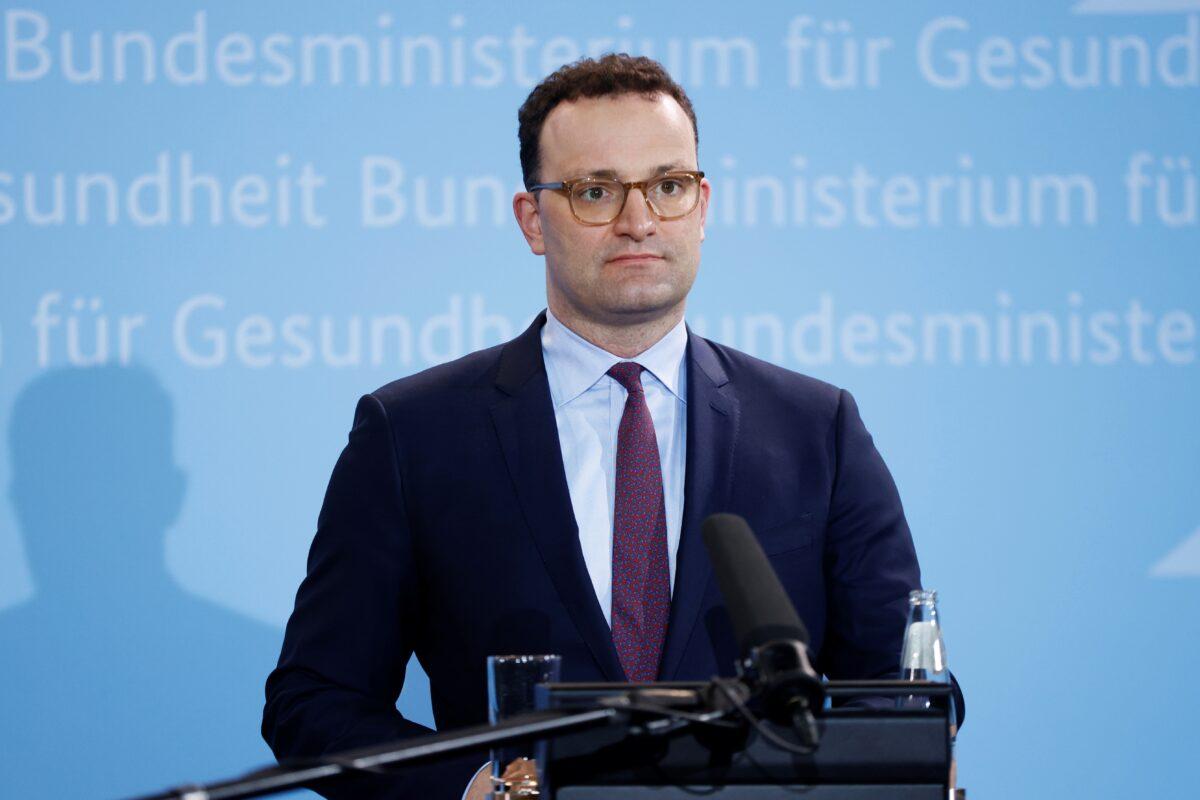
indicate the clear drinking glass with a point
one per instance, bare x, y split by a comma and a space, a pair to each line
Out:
511, 680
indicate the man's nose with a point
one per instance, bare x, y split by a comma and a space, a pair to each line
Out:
636, 220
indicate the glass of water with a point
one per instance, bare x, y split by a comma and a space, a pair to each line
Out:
511, 681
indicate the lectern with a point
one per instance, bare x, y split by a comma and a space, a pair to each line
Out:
868, 748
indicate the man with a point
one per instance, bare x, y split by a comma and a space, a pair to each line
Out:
546, 495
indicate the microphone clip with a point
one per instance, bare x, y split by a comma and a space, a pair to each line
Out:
788, 689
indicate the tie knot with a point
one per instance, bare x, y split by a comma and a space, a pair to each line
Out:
628, 374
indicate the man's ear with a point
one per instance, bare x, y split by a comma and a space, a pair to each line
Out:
705, 194
529, 217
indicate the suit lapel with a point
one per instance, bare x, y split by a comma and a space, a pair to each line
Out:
712, 422
524, 420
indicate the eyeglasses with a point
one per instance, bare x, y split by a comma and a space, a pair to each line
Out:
598, 201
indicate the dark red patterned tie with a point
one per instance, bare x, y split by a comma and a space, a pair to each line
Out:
641, 578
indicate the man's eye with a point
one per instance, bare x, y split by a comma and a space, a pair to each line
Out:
594, 194
669, 187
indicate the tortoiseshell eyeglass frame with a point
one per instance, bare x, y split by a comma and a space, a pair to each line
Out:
566, 187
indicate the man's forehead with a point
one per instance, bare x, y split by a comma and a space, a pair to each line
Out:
621, 136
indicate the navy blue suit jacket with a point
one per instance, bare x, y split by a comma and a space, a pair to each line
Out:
447, 530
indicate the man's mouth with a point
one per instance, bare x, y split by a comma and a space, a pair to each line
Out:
634, 258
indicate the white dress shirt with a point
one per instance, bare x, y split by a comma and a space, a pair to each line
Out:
588, 405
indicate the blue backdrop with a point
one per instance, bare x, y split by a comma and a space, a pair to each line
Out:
220, 224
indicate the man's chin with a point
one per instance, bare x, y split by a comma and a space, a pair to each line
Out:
643, 308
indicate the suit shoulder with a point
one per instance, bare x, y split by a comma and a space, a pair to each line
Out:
759, 378
443, 382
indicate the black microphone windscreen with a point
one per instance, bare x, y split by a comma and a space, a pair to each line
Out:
758, 606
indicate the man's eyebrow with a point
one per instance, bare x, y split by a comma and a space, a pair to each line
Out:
674, 166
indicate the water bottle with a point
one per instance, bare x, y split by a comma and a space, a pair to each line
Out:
923, 656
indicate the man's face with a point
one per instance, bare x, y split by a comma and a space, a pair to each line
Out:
636, 268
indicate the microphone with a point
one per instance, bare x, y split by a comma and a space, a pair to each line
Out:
772, 639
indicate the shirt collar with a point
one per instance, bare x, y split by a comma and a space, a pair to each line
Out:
573, 364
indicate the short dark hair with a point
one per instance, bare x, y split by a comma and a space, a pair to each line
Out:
612, 74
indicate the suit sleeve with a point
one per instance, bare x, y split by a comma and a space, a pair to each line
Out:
870, 562
354, 626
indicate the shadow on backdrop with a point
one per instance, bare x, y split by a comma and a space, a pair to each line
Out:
113, 680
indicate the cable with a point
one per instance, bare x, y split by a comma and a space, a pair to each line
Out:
714, 719
764, 731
